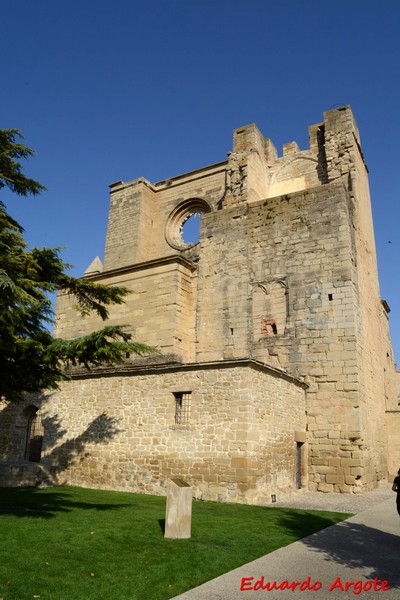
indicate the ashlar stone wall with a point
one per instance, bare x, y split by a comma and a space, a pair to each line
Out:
120, 432
159, 310
283, 275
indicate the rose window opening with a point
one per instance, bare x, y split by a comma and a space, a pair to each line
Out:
183, 226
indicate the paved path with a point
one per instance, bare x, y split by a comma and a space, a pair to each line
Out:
364, 548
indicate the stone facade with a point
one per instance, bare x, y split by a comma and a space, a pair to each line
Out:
118, 430
270, 327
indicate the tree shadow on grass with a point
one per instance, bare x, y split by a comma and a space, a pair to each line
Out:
161, 523
305, 522
355, 545
45, 504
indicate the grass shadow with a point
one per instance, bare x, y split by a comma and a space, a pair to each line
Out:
301, 522
45, 504
161, 523
96, 544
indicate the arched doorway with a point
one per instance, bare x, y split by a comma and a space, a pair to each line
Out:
34, 435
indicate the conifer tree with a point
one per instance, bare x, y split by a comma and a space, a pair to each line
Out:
31, 359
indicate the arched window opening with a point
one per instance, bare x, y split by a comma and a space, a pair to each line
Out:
34, 436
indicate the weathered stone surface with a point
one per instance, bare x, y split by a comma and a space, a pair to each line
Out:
274, 322
119, 431
178, 512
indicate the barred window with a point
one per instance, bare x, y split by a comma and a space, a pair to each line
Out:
182, 407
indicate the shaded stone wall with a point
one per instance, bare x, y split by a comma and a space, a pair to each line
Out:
119, 432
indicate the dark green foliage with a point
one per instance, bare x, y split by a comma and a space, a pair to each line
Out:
30, 358
10, 169
107, 346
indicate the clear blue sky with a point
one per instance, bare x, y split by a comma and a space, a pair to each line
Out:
108, 91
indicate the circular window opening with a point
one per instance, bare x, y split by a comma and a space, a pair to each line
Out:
183, 226
190, 228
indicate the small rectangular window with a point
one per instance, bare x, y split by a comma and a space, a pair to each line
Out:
182, 407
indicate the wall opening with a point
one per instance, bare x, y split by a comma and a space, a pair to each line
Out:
182, 230
299, 464
34, 435
190, 229
269, 310
182, 407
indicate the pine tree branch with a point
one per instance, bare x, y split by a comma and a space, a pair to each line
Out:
110, 345
30, 358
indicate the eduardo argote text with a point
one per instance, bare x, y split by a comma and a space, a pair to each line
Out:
356, 587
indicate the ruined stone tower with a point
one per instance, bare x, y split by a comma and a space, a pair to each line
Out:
275, 369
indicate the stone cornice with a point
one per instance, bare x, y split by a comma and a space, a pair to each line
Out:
150, 264
173, 364
171, 181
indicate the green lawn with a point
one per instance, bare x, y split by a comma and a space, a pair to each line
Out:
72, 544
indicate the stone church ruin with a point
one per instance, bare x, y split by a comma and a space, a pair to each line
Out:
275, 371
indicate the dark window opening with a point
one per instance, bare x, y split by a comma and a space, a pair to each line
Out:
330, 297
268, 326
299, 466
182, 408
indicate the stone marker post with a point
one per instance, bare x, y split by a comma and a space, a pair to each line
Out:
178, 515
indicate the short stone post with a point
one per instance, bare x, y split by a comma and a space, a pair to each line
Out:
178, 514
